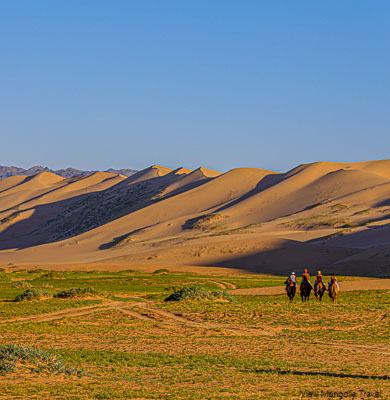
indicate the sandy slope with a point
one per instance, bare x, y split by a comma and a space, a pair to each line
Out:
332, 215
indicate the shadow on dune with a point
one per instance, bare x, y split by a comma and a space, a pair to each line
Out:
265, 183
121, 239
383, 203
371, 236
56, 221
296, 256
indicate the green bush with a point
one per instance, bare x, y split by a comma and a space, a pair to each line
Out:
21, 284
52, 275
78, 292
16, 357
31, 294
198, 293
161, 271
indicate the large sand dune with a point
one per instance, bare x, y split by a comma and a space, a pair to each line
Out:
333, 216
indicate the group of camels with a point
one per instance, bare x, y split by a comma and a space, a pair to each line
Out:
306, 288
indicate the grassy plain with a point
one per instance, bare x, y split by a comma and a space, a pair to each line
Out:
131, 344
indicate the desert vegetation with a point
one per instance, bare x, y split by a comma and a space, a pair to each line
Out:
197, 292
137, 345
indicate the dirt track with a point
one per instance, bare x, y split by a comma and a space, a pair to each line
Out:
347, 286
147, 313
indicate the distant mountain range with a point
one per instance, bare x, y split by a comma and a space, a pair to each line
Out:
6, 171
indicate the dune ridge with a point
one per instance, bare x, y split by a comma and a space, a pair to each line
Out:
330, 215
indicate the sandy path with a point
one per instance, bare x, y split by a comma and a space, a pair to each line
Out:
347, 286
174, 319
224, 285
156, 315
149, 314
68, 313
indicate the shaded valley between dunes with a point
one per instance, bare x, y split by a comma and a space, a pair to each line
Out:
330, 216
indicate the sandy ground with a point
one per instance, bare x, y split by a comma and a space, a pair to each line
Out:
347, 286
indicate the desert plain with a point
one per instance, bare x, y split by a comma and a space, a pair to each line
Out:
100, 254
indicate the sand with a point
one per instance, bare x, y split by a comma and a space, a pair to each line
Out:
333, 216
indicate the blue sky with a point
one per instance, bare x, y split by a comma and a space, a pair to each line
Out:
271, 84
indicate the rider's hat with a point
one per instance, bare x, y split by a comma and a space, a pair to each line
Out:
318, 272
293, 273
305, 270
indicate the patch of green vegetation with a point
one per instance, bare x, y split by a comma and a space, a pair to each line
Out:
52, 275
79, 292
332, 235
338, 207
32, 294
318, 221
198, 293
362, 212
4, 277
235, 231
14, 358
21, 284
203, 222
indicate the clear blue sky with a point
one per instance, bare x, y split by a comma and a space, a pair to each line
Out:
270, 84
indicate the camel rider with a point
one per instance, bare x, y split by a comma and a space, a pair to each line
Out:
320, 278
333, 279
306, 277
292, 279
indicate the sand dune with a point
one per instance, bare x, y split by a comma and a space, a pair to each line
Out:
149, 173
328, 215
303, 188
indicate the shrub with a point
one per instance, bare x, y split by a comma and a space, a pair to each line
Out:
36, 271
21, 284
52, 275
15, 357
198, 293
31, 294
78, 292
44, 286
4, 276
161, 271
203, 222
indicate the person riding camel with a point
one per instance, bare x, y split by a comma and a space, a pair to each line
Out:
320, 278
292, 278
306, 278
333, 279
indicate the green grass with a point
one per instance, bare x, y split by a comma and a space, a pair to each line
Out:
150, 357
